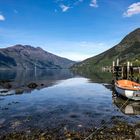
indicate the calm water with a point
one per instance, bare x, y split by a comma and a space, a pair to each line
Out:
61, 100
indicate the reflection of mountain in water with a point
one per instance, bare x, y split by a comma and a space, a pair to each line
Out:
97, 76
127, 107
19, 80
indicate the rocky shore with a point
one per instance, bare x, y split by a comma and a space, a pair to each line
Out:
119, 130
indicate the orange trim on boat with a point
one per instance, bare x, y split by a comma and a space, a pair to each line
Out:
127, 84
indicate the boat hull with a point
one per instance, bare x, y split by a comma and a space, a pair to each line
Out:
130, 94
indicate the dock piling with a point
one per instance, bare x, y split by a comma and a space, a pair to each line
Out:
124, 71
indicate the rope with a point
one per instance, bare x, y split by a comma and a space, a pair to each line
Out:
104, 123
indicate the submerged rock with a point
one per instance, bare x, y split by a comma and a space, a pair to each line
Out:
19, 91
32, 85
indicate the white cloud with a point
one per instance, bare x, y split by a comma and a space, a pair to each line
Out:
93, 3
68, 4
133, 9
64, 7
2, 18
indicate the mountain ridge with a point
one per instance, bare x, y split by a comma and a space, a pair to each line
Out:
28, 57
127, 50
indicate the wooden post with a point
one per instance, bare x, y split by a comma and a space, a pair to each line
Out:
128, 68
113, 64
122, 74
117, 62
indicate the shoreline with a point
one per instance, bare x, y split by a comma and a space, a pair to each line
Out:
119, 130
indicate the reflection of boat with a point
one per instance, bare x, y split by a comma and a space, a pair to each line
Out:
129, 107
128, 89
137, 133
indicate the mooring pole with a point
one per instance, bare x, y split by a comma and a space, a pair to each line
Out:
128, 68
113, 65
117, 62
113, 71
122, 72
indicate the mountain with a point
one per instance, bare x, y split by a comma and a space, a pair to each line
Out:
127, 50
28, 57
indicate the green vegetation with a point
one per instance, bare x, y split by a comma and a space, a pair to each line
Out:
127, 50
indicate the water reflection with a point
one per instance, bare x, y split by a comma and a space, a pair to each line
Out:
72, 104
20, 81
97, 76
126, 107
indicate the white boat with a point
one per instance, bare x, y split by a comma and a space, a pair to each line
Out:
128, 89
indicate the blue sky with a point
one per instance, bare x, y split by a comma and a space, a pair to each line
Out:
76, 29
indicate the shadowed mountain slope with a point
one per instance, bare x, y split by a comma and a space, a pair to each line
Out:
28, 57
127, 50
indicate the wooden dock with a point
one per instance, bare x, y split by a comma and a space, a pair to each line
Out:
128, 71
